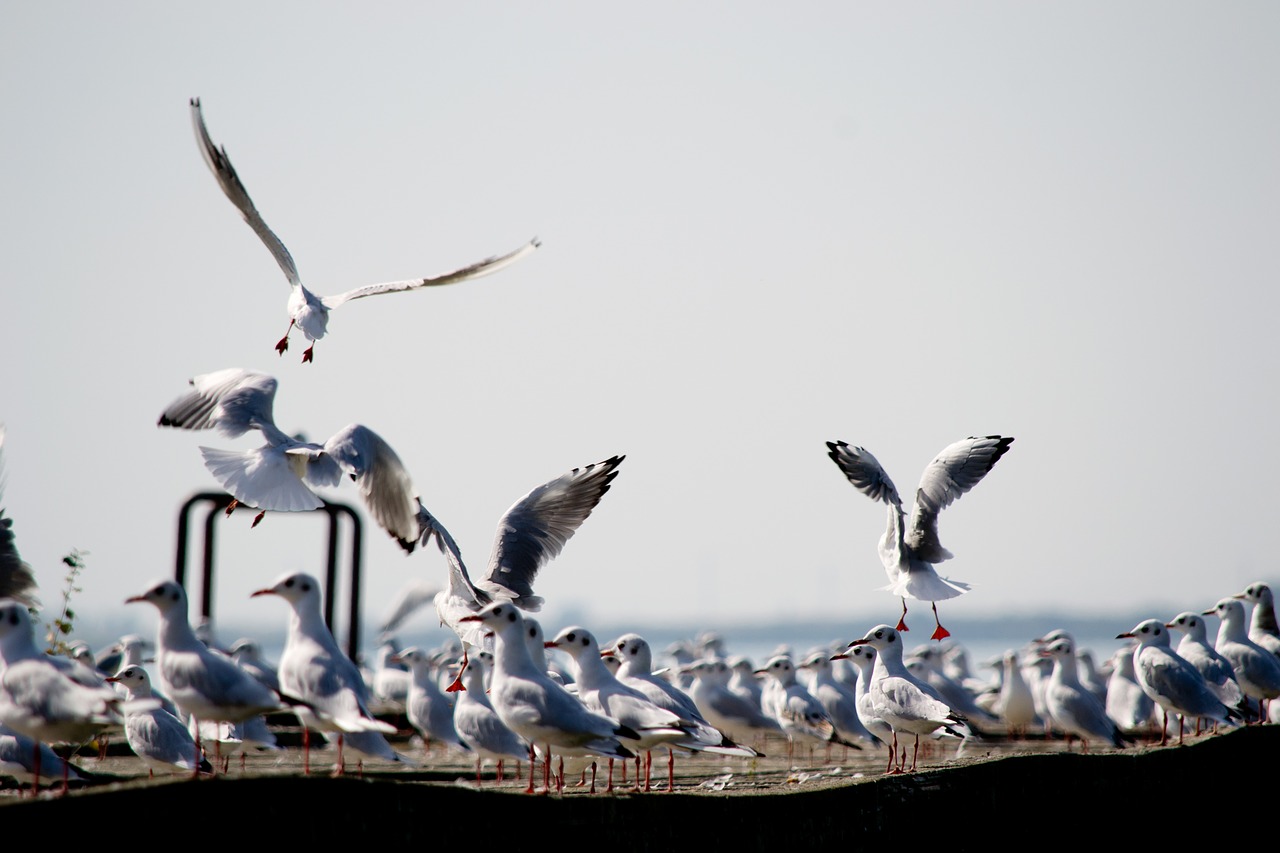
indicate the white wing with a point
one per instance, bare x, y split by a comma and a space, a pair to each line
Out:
954, 471
536, 528
218, 163
233, 401
382, 479
476, 270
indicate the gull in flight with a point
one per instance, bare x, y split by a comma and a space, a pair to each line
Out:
281, 474
909, 551
530, 533
309, 311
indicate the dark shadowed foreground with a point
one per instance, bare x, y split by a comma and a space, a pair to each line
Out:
768, 804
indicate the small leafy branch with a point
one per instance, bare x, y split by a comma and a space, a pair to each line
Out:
61, 627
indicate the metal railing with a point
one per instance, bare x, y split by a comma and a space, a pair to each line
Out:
217, 506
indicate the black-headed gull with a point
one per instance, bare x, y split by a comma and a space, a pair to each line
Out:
477, 723
428, 708
658, 726
161, 740
280, 475
314, 669
17, 581
538, 709
530, 533
1171, 682
1016, 705
910, 548
1072, 707
904, 701
1263, 628
863, 660
736, 715
204, 684
1257, 670
801, 716
839, 700
1127, 703
635, 669
307, 310
39, 696
1195, 648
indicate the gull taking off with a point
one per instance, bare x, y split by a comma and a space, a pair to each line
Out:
910, 547
309, 311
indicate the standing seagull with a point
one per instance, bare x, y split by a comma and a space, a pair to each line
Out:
281, 474
530, 533
1263, 628
308, 311
316, 670
1173, 683
39, 697
909, 551
202, 683
1073, 708
1257, 670
902, 700
156, 736
16, 578
538, 709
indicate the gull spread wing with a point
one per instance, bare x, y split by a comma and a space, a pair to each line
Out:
536, 528
476, 270
218, 163
864, 471
233, 401
954, 471
382, 479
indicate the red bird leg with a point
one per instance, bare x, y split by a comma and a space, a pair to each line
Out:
283, 343
939, 633
231, 506
308, 353
902, 620
257, 518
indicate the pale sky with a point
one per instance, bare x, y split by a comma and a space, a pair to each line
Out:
765, 226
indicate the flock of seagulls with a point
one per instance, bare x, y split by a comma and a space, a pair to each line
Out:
495, 694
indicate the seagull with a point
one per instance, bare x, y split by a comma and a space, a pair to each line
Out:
282, 474
309, 311
799, 713
736, 715
1263, 628
1016, 705
1173, 683
316, 670
38, 695
17, 581
430, 710
530, 533
248, 654
203, 684
1195, 648
1127, 703
478, 725
1073, 708
601, 691
909, 552
863, 659
156, 736
537, 708
1257, 670
636, 670
840, 702
902, 700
